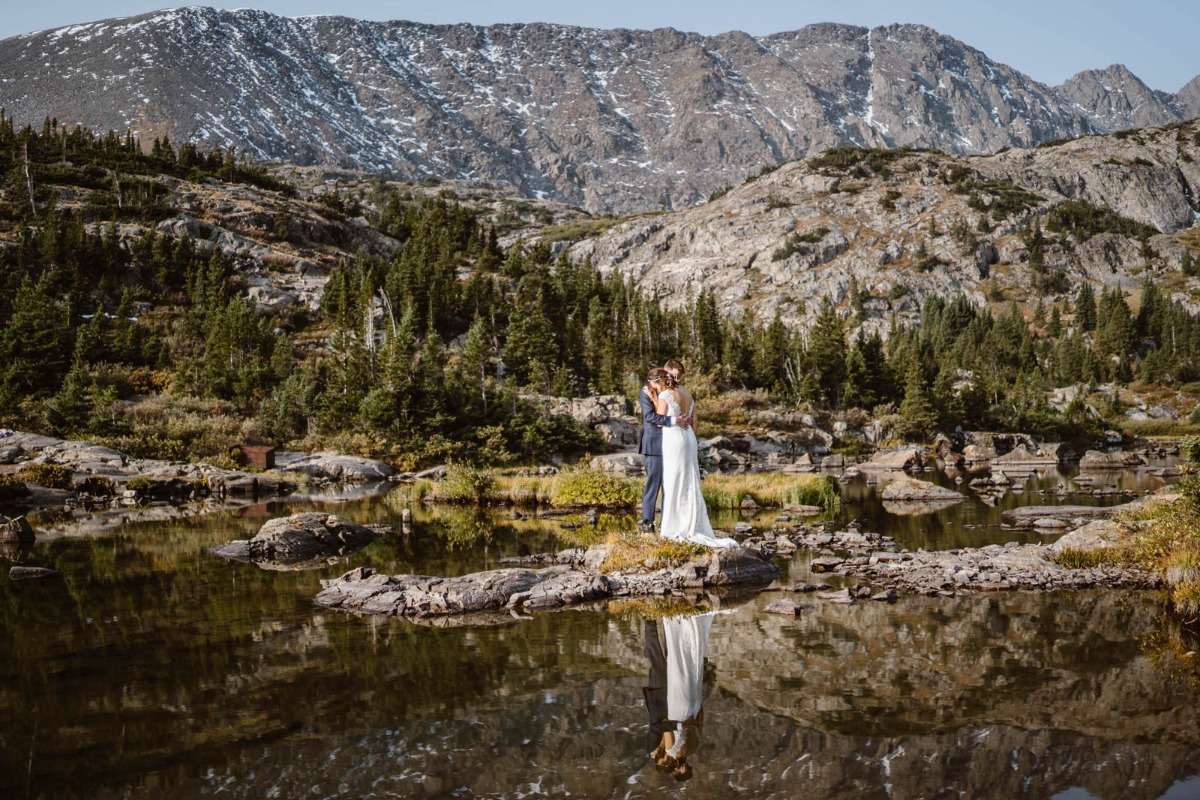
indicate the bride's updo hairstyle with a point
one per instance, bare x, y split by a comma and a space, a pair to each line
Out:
658, 374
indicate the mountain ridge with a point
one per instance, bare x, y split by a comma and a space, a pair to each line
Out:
609, 120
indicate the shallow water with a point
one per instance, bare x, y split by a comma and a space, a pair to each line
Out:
153, 669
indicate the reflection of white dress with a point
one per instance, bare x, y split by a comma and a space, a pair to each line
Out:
687, 641
684, 516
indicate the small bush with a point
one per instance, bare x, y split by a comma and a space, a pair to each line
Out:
465, 484
52, 476
589, 487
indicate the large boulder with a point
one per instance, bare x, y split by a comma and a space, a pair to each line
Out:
1098, 534
1044, 455
894, 460
334, 467
302, 537
1099, 461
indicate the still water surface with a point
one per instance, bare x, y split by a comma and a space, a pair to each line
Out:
153, 669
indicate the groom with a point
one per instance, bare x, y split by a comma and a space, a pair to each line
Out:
650, 446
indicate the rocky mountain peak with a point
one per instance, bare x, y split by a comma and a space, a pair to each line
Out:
608, 120
1116, 99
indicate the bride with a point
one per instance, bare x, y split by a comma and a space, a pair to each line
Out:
684, 516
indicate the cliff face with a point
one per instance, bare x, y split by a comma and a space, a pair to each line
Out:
899, 227
608, 120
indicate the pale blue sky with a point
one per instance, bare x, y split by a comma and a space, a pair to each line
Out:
1049, 40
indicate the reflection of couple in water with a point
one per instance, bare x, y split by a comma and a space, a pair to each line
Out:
675, 690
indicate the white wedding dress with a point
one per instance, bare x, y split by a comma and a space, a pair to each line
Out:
684, 515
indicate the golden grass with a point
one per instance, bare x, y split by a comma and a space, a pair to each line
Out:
1073, 558
770, 490
633, 552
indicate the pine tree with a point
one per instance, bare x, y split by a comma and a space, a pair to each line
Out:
917, 409
1085, 308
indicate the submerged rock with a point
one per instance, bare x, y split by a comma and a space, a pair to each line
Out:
20, 573
301, 537
16, 531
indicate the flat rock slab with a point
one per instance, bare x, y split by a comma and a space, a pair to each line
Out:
911, 489
1027, 515
364, 591
300, 538
990, 568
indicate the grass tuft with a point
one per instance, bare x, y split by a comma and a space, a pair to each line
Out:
632, 552
1073, 558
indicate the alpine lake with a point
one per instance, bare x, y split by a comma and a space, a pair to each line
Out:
152, 669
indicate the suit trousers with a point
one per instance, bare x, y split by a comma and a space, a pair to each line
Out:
654, 477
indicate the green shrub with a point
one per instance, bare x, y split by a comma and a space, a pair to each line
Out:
1189, 448
590, 487
52, 476
465, 483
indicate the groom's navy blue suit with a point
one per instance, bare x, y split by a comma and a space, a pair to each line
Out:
650, 446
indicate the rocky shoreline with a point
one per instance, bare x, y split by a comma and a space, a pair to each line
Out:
868, 565
109, 489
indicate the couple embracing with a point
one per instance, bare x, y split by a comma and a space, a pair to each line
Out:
668, 445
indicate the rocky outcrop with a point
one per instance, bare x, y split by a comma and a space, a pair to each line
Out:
300, 538
763, 244
609, 415
562, 584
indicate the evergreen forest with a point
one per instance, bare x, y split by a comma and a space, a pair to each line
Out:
116, 331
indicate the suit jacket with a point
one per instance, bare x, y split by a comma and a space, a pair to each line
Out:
650, 440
